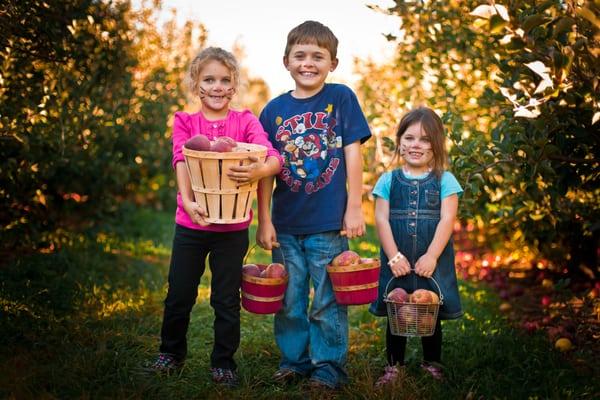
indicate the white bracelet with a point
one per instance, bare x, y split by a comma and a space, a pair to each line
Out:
399, 256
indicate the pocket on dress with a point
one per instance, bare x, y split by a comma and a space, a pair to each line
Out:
432, 197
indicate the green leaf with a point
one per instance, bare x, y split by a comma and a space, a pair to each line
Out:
564, 24
536, 217
497, 24
532, 21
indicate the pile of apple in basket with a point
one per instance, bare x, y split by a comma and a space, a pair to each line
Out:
413, 314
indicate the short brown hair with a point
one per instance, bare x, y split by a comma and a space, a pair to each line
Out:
202, 58
312, 32
431, 124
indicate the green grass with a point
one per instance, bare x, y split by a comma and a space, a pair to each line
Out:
80, 323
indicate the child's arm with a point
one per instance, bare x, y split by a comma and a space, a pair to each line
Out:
427, 262
384, 232
196, 213
354, 223
265, 233
255, 170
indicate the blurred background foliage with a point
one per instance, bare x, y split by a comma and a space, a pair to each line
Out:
517, 84
87, 90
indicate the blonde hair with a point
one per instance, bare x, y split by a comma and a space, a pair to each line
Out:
202, 58
312, 32
433, 126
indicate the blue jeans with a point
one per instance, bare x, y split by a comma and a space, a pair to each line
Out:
312, 343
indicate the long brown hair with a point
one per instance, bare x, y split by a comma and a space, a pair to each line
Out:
432, 125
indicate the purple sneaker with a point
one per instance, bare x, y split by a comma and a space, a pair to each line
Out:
224, 376
434, 369
165, 364
389, 377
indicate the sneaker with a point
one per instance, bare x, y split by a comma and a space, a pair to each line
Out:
165, 364
285, 376
389, 377
434, 369
322, 391
224, 376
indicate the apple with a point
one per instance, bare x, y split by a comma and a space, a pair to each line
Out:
546, 301
423, 296
274, 270
345, 258
407, 315
221, 146
426, 323
398, 295
198, 142
563, 344
251, 270
226, 139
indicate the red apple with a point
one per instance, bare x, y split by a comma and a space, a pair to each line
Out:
546, 301
398, 295
262, 267
226, 139
407, 315
345, 258
221, 146
423, 296
275, 270
426, 323
198, 142
251, 270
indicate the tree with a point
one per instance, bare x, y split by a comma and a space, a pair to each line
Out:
518, 89
86, 92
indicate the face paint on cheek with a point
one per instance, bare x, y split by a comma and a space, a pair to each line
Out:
229, 93
203, 92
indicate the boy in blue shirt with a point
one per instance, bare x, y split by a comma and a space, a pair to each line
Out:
318, 129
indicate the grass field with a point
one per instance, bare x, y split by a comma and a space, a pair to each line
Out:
79, 324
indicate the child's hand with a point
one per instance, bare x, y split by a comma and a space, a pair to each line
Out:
400, 267
196, 213
244, 174
425, 265
266, 236
354, 223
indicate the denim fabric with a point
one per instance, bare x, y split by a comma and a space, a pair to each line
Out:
414, 214
313, 342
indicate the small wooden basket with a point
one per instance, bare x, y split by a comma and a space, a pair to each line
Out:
222, 198
263, 295
355, 284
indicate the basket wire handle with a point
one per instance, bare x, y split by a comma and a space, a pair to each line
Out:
441, 295
275, 245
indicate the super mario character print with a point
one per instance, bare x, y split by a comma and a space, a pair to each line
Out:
309, 146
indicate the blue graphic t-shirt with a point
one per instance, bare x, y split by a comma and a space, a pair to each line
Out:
310, 193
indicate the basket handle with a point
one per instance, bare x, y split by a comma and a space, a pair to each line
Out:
412, 270
252, 249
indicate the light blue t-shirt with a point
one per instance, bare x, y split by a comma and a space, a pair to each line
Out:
449, 185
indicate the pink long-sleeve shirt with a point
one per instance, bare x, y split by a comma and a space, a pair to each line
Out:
242, 126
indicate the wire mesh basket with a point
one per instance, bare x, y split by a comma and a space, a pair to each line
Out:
410, 319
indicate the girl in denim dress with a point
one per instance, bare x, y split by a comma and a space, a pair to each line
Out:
415, 211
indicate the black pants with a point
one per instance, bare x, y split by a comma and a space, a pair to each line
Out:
396, 346
226, 252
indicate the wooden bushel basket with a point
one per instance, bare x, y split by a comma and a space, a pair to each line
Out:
222, 198
355, 284
263, 295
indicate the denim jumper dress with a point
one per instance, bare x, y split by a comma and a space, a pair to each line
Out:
414, 214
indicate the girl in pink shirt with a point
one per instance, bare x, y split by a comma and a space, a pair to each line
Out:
213, 76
